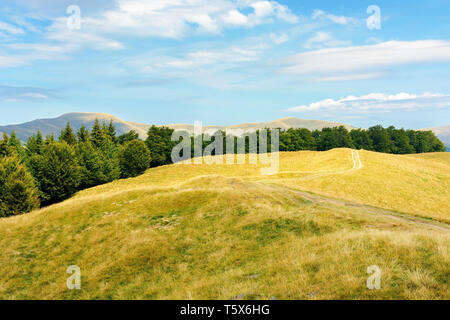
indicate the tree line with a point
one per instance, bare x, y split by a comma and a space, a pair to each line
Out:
377, 138
47, 170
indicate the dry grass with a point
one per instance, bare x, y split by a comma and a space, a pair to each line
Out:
217, 232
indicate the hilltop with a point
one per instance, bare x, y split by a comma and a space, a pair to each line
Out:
54, 125
225, 231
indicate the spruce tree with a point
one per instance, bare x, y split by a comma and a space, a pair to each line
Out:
5, 149
18, 193
127, 137
34, 144
97, 134
90, 160
83, 134
112, 131
56, 171
67, 135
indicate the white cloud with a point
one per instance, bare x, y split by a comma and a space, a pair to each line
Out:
9, 28
378, 102
349, 77
322, 15
85, 37
324, 39
348, 59
18, 94
20, 54
194, 59
279, 38
179, 18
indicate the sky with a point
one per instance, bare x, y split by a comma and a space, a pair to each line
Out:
226, 62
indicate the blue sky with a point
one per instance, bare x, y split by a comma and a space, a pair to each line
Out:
227, 61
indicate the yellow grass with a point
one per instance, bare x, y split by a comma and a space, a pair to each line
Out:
418, 184
218, 232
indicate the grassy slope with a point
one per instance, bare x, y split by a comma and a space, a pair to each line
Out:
198, 232
413, 184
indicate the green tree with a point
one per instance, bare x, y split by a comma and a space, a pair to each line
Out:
134, 159
93, 165
111, 164
381, 139
67, 135
18, 192
361, 139
16, 145
5, 149
327, 139
83, 134
56, 171
112, 131
159, 142
400, 143
34, 144
98, 137
127, 137
49, 139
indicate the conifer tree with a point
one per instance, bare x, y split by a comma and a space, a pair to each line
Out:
5, 149
112, 131
83, 134
56, 171
18, 193
97, 134
67, 135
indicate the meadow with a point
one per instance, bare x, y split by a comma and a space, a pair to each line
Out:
225, 231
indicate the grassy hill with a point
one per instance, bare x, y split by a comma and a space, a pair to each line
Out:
224, 231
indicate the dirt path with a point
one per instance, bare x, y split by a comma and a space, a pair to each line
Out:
403, 217
357, 165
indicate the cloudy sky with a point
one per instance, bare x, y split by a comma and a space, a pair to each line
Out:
227, 61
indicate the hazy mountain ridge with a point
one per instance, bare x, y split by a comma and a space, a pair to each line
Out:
443, 133
54, 125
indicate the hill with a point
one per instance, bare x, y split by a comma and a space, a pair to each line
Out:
442, 133
224, 231
48, 126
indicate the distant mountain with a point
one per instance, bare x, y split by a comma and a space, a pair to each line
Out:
48, 126
284, 123
443, 133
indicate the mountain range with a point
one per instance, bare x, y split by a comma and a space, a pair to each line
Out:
54, 125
